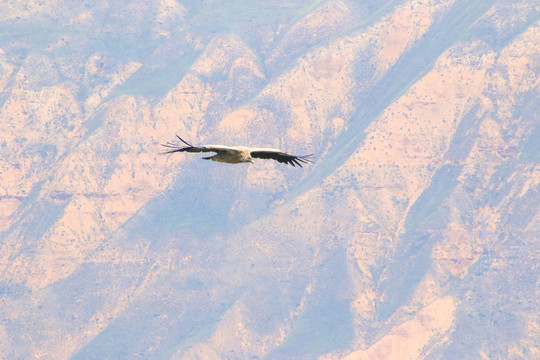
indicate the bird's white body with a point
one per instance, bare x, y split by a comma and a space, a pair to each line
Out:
239, 154
230, 154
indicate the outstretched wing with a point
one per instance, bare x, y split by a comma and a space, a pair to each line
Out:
280, 156
218, 149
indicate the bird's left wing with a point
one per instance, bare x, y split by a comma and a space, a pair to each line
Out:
280, 156
195, 149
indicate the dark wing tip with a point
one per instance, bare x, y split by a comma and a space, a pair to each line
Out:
296, 160
182, 140
175, 148
299, 160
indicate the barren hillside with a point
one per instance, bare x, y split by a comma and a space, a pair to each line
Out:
413, 235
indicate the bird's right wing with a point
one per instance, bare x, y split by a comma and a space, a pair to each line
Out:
280, 156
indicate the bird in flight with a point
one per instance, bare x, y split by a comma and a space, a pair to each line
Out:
237, 154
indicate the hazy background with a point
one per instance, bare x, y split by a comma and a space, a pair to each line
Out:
414, 235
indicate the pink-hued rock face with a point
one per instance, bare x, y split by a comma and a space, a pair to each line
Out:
414, 234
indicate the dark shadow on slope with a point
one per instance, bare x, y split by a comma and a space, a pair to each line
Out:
464, 137
527, 108
180, 307
496, 301
498, 34
35, 216
525, 210
410, 67
426, 218
531, 149
497, 295
295, 41
198, 203
423, 214
175, 313
326, 323
300, 46
162, 70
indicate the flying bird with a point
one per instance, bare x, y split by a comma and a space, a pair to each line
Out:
238, 154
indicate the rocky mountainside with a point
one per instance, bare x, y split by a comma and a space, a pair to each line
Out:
414, 235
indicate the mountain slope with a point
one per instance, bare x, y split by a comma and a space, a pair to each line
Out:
413, 235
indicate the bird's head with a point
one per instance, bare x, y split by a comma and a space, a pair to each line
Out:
248, 159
